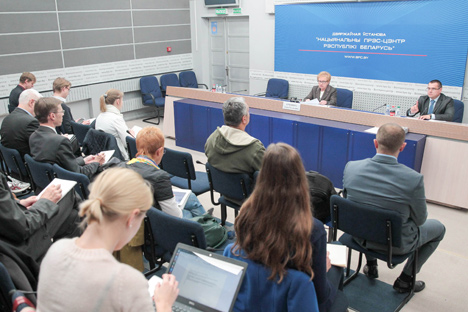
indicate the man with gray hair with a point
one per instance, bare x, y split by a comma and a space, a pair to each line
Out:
229, 148
18, 126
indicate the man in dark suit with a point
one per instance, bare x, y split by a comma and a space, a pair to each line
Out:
384, 183
20, 124
48, 146
32, 224
27, 81
435, 105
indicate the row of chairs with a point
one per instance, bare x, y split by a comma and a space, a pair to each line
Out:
152, 94
40, 174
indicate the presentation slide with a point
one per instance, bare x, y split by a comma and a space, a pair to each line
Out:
405, 41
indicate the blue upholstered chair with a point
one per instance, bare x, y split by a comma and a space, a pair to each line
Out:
180, 166
459, 110
82, 181
234, 188
168, 80
42, 173
163, 232
277, 88
344, 98
371, 224
188, 79
14, 163
80, 130
151, 96
131, 146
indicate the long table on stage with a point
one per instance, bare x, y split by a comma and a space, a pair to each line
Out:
327, 138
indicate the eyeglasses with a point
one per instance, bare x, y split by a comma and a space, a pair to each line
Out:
432, 89
61, 112
323, 81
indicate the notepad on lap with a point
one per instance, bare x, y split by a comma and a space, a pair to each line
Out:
65, 185
181, 196
337, 254
108, 154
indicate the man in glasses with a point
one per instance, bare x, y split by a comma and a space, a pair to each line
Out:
435, 105
48, 146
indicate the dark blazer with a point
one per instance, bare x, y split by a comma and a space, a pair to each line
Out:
443, 108
16, 130
48, 146
14, 97
329, 95
384, 183
67, 117
32, 230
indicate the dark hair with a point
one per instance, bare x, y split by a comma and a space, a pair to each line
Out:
275, 223
436, 81
44, 106
390, 137
233, 110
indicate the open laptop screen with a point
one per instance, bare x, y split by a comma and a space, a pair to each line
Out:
207, 281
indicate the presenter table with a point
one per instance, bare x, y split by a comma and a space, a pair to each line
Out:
444, 165
325, 145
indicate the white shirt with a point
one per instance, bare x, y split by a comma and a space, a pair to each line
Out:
112, 122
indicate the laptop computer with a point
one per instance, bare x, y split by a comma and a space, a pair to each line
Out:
207, 281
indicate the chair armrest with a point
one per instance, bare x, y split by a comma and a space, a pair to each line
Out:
202, 84
152, 96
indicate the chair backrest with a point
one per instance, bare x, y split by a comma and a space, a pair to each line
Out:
179, 164
42, 173
131, 146
82, 181
80, 131
169, 80
163, 232
344, 97
97, 141
277, 88
14, 162
149, 85
366, 222
188, 79
237, 186
459, 110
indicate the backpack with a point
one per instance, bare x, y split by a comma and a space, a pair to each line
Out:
215, 233
320, 190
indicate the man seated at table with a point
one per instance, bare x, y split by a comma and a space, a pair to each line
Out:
435, 105
230, 148
385, 184
48, 146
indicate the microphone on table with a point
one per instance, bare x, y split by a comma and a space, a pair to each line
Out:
378, 107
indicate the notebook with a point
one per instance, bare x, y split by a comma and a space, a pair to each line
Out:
207, 281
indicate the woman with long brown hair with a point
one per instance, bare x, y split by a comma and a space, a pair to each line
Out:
273, 229
282, 242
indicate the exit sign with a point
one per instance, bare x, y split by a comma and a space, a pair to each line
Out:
221, 11
237, 11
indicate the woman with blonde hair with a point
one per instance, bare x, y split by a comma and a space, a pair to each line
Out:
81, 275
324, 93
110, 119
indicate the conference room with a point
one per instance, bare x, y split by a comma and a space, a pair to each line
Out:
379, 54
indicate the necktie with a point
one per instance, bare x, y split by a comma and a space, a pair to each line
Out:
431, 107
